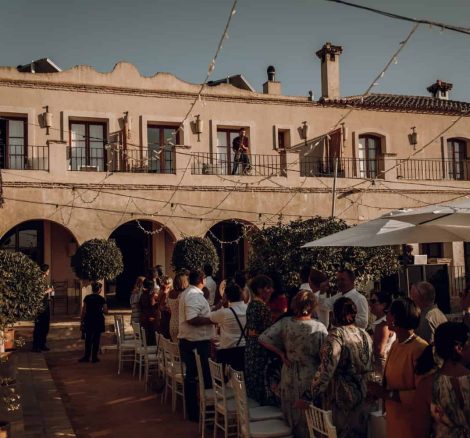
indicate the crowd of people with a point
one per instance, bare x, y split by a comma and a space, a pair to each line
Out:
317, 344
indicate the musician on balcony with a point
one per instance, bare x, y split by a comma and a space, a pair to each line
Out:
241, 148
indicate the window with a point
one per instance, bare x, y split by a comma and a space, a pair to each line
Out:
13, 145
369, 150
27, 238
161, 153
457, 154
224, 158
433, 250
87, 140
283, 138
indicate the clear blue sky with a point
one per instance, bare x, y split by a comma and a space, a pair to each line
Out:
180, 36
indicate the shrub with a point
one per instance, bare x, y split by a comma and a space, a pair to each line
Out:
193, 253
278, 249
97, 259
21, 288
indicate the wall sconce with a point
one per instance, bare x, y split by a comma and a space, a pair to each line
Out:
198, 126
413, 137
127, 120
304, 131
47, 119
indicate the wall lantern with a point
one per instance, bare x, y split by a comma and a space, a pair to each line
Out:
47, 119
413, 137
198, 126
304, 131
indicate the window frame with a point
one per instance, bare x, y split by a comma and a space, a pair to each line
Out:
162, 168
456, 169
88, 123
6, 158
36, 225
368, 172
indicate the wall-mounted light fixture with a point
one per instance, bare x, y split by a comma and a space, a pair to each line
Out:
304, 131
47, 119
413, 137
198, 126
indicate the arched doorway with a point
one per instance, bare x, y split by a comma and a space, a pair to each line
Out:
144, 244
48, 242
229, 239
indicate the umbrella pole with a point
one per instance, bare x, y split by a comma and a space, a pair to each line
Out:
333, 200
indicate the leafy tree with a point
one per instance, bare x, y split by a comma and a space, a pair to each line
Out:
278, 249
193, 253
21, 288
97, 259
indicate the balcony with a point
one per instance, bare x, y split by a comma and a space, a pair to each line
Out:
431, 169
206, 163
21, 157
150, 160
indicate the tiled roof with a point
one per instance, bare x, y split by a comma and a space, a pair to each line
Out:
396, 102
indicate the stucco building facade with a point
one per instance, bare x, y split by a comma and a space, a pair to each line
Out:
87, 155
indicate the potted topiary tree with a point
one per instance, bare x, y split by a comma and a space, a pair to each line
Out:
97, 259
22, 288
194, 253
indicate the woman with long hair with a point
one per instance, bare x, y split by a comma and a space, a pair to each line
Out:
180, 283
149, 311
382, 337
164, 311
442, 402
135, 298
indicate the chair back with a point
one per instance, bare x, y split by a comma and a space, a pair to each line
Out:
239, 391
174, 353
218, 385
320, 423
119, 330
143, 338
137, 334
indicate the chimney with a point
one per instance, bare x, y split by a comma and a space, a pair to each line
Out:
329, 55
272, 86
440, 89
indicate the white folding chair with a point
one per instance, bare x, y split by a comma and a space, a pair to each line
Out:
206, 398
139, 349
174, 374
150, 357
125, 348
320, 423
247, 428
161, 360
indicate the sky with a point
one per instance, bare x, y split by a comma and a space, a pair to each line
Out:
181, 36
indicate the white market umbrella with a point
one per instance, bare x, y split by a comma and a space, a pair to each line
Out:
437, 223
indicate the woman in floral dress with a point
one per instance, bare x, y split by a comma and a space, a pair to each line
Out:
346, 359
258, 319
442, 401
297, 341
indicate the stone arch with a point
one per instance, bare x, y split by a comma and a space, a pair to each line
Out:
144, 243
229, 239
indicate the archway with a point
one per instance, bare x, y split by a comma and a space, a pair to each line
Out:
49, 242
229, 239
144, 244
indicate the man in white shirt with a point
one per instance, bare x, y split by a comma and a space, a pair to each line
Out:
211, 285
195, 333
345, 279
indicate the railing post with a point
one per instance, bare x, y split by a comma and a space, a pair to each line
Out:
389, 167
58, 161
292, 167
183, 162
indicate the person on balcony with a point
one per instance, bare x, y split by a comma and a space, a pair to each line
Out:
241, 149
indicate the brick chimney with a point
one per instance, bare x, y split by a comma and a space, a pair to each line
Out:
272, 86
440, 89
329, 55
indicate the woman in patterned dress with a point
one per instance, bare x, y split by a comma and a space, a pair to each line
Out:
346, 359
297, 341
258, 319
442, 401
